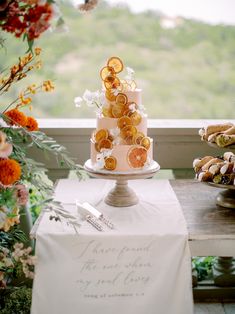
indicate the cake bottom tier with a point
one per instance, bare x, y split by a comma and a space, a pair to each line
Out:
126, 156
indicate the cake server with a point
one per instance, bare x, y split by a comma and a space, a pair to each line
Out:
88, 216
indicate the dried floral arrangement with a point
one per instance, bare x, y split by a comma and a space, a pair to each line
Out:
21, 178
24, 185
28, 19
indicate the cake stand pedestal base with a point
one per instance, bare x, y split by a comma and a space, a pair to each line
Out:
121, 195
226, 199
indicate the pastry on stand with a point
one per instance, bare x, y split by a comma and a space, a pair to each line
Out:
218, 171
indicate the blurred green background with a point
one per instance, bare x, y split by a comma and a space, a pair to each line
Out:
187, 71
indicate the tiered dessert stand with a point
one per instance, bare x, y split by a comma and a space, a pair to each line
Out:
224, 198
122, 195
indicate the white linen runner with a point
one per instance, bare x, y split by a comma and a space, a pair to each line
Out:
143, 266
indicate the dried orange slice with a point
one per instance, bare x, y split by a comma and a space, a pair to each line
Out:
135, 118
97, 147
110, 163
123, 121
111, 82
116, 64
106, 71
127, 131
137, 156
117, 110
107, 112
121, 99
111, 138
138, 137
104, 143
145, 142
109, 95
101, 134
129, 140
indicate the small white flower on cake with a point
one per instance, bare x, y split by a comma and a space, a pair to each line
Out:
88, 97
130, 74
100, 158
78, 101
141, 108
115, 132
132, 107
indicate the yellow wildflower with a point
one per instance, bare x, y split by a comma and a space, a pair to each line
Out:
32, 88
38, 64
24, 100
48, 86
37, 51
26, 59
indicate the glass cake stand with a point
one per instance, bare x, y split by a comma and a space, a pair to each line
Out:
122, 195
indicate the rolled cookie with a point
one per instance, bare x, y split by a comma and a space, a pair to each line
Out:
199, 162
210, 129
224, 140
215, 168
204, 176
230, 131
227, 168
229, 156
210, 162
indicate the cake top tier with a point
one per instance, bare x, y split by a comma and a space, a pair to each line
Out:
122, 97
119, 96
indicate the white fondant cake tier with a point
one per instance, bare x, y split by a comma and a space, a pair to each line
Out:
120, 152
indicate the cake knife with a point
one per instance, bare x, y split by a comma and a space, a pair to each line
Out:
89, 217
98, 215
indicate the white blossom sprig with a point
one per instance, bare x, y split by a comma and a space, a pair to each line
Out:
91, 99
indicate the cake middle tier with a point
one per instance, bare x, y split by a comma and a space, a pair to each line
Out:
112, 123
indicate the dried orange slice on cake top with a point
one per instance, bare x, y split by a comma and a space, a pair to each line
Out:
106, 71
117, 110
107, 112
109, 95
137, 156
116, 64
111, 82
121, 99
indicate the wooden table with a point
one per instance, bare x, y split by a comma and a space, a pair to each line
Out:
211, 227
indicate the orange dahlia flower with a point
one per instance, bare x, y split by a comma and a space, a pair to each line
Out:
32, 124
16, 117
10, 171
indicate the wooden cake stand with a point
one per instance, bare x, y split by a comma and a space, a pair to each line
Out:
122, 195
